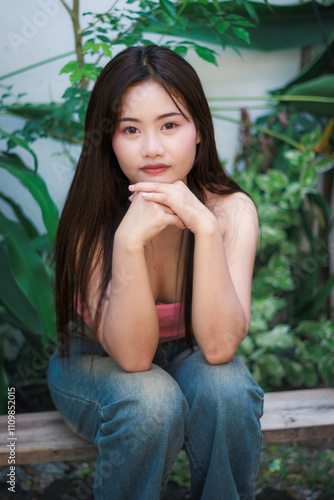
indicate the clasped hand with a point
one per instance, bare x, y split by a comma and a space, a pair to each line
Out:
155, 205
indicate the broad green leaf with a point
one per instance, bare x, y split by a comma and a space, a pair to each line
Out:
271, 236
281, 282
295, 373
247, 345
310, 374
271, 364
221, 27
322, 296
14, 300
295, 158
29, 272
322, 86
26, 223
251, 11
22, 143
278, 179
323, 164
326, 369
277, 339
168, 7
294, 194
268, 306
308, 175
37, 188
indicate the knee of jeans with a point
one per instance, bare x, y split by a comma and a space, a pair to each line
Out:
226, 387
153, 405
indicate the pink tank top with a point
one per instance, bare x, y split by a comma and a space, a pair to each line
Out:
170, 317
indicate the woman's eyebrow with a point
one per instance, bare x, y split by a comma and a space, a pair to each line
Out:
166, 115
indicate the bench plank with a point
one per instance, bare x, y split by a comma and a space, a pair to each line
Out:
288, 416
298, 415
43, 437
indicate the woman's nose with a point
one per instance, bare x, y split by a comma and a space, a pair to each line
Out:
152, 147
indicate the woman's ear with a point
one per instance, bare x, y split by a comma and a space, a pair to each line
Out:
198, 138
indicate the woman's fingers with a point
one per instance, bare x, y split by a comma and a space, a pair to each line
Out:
174, 220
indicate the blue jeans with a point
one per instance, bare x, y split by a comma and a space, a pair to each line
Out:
140, 421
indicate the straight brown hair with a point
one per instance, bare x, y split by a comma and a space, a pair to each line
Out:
98, 197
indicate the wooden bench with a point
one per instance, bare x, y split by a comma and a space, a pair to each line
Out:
288, 416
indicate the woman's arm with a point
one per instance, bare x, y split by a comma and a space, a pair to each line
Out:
225, 247
223, 268
129, 329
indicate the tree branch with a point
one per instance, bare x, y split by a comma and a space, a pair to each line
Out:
77, 35
66, 7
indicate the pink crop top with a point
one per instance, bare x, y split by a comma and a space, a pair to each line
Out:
170, 316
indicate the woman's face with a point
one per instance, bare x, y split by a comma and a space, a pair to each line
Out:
153, 141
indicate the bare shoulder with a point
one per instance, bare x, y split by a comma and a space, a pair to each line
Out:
236, 213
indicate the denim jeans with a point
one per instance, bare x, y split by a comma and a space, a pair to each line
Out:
139, 422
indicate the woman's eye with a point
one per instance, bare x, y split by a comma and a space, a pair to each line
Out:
169, 125
130, 130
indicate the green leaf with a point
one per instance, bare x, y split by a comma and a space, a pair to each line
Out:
14, 300
37, 188
23, 144
277, 339
308, 175
310, 374
251, 11
247, 345
221, 27
181, 50
103, 38
242, 33
29, 272
272, 366
281, 283
69, 67
106, 50
323, 164
26, 223
295, 158
294, 195
271, 236
322, 86
295, 373
206, 54
168, 7
278, 179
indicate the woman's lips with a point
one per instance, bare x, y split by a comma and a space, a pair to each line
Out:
156, 168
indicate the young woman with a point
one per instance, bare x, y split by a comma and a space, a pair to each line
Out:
154, 261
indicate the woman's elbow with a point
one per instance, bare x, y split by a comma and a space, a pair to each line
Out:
135, 367
216, 356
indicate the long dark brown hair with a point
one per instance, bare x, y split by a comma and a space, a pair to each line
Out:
98, 196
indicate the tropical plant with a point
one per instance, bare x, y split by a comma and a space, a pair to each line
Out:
290, 307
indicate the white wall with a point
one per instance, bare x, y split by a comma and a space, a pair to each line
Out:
34, 30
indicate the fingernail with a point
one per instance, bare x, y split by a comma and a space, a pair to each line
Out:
144, 195
131, 197
131, 186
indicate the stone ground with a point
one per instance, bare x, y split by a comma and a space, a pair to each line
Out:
72, 481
